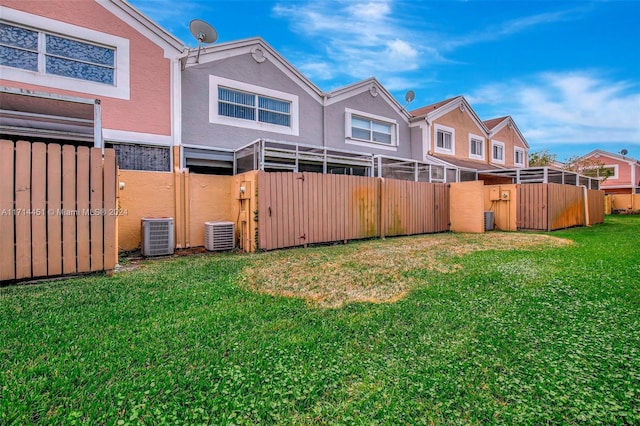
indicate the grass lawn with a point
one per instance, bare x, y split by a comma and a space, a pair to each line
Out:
437, 329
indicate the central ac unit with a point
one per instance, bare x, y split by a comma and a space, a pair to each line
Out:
219, 236
157, 236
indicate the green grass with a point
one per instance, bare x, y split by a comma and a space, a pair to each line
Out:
517, 336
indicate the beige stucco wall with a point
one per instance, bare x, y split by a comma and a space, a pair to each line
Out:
464, 125
622, 202
511, 140
467, 207
200, 199
504, 208
145, 194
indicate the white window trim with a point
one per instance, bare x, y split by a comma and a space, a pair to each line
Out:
436, 128
504, 152
480, 138
349, 139
615, 170
121, 87
214, 117
515, 156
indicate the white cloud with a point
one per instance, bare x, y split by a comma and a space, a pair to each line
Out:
566, 108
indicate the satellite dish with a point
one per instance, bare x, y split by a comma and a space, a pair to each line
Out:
624, 152
203, 32
409, 97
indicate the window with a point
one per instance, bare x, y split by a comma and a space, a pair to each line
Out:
445, 142
518, 157
476, 147
50, 54
239, 104
497, 152
249, 106
371, 130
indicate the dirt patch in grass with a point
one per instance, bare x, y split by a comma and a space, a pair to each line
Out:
377, 271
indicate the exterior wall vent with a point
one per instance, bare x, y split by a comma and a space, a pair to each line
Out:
489, 221
219, 236
157, 236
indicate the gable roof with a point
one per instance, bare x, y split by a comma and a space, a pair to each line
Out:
143, 24
438, 109
371, 85
423, 111
260, 50
496, 124
598, 152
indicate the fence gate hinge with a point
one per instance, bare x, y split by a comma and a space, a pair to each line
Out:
301, 177
303, 236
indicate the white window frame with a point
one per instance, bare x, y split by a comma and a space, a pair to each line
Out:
349, 139
482, 140
436, 148
516, 150
215, 118
121, 87
500, 144
609, 166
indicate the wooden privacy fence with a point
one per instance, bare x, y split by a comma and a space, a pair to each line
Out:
57, 210
550, 206
297, 209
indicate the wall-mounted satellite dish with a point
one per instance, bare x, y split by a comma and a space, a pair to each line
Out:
624, 152
203, 32
409, 97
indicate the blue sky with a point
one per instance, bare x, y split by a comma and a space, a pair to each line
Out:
568, 72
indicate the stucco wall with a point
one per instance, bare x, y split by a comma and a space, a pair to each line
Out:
366, 103
196, 96
191, 200
145, 194
511, 140
149, 108
505, 208
464, 125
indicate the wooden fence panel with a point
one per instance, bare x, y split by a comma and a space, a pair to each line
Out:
566, 206
98, 211
58, 210
307, 208
7, 242
54, 204
23, 205
532, 202
110, 174
38, 209
82, 207
595, 199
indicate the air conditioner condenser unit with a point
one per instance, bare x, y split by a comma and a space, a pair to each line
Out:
157, 236
219, 236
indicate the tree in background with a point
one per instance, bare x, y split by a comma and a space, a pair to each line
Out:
592, 167
542, 158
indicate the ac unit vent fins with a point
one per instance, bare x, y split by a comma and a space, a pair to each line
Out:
219, 236
157, 236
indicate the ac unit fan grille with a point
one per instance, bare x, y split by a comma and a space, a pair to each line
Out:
157, 239
219, 236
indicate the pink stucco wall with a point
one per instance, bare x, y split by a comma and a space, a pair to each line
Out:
624, 171
149, 108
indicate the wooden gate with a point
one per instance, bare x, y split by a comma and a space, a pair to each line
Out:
57, 210
551, 206
297, 209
